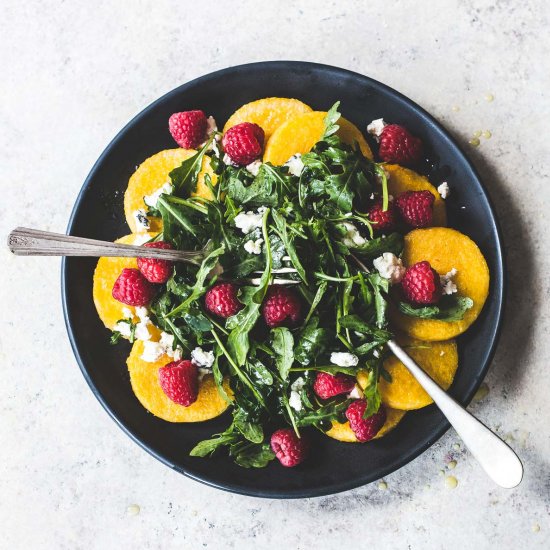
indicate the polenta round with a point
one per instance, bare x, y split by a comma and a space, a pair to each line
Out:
268, 113
301, 133
144, 377
446, 249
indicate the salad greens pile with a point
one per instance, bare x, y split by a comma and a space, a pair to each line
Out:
309, 222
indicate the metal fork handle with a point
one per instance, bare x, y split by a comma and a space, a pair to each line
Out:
33, 242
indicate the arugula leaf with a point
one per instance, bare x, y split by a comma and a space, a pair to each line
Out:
255, 456
376, 247
209, 446
250, 430
372, 393
311, 343
283, 344
331, 118
184, 178
288, 243
450, 308
354, 322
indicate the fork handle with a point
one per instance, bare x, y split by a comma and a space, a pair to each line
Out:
34, 242
498, 460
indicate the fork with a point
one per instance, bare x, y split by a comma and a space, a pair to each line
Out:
34, 242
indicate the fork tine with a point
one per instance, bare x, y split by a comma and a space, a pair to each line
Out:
274, 281
281, 270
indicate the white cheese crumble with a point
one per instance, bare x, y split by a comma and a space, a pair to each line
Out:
127, 313
124, 328
211, 126
152, 199
376, 127
248, 221
227, 160
295, 165
142, 223
444, 190
356, 393
352, 236
295, 401
390, 267
141, 238
344, 359
254, 247
254, 167
298, 384
153, 351
447, 283
201, 358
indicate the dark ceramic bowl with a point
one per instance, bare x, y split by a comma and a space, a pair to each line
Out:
98, 213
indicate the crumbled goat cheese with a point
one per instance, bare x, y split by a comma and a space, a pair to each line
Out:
376, 353
352, 236
376, 127
141, 238
152, 199
227, 160
295, 165
447, 283
356, 393
344, 359
152, 351
295, 401
201, 358
248, 221
254, 247
124, 328
142, 330
127, 313
142, 223
254, 167
142, 313
390, 267
298, 384
444, 190
211, 126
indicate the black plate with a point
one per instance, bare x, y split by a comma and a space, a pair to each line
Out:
98, 213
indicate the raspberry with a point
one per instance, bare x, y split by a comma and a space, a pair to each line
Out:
288, 447
328, 385
188, 128
416, 208
132, 288
156, 271
421, 284
382, 220
221, 300
281, 304
179, 380
364, 428
398, 145
243, 143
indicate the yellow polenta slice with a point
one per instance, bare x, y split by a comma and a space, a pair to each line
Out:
152, 174
402, 179
342, 431
438, 359
105, 275
268, 113
446, 249
149, 177
301, 133
144, 377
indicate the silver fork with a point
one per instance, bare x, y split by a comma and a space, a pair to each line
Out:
34, 242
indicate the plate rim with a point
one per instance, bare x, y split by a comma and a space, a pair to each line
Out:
500, 290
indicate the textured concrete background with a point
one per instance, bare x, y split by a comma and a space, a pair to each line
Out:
73, 73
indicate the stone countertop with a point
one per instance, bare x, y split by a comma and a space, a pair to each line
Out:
73, 74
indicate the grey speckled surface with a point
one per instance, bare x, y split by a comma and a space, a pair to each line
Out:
72, 74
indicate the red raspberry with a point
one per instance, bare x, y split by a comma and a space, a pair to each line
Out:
328, 385
398, 145
416, 208
281, 304
188, 128
156, 271
382, 220
421, 284
289, 448
221, 300
364, 428
132, 288
179, 380
243, 143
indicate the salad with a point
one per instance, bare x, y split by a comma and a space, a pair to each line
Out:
309, 255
